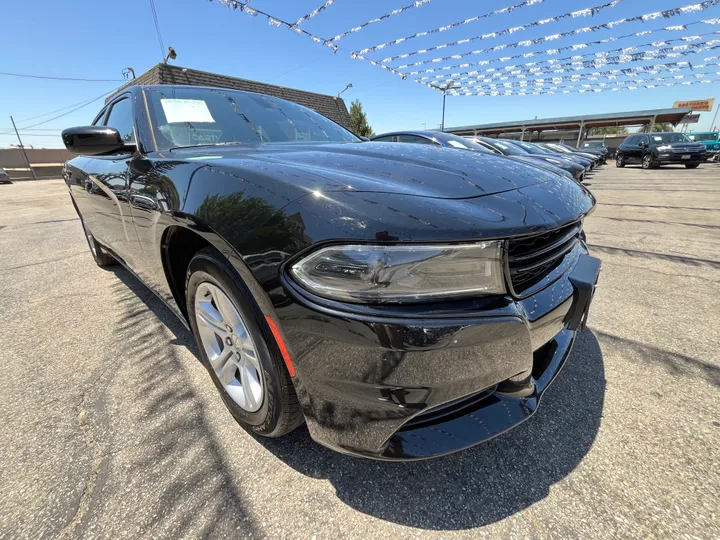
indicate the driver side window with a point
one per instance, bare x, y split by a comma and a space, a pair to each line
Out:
121, 118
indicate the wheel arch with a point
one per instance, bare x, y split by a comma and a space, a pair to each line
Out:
180, 243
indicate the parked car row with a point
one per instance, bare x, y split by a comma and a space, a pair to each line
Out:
558, 158
403, 300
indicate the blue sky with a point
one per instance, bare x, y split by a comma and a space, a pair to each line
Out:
95, 39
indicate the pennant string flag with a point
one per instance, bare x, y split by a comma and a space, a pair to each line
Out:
558, 50
613, 84
314, 12
278, 23
612, 75
378, 19
649, 16
575, 89
627, 54
556, 75
511, 30
508, 9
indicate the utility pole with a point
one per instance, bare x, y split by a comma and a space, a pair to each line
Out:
713, 125
32, 171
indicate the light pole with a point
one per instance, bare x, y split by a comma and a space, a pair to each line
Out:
712, 124
341, 91
444, 90
424, 125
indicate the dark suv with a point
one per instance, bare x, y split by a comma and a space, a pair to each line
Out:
654, 149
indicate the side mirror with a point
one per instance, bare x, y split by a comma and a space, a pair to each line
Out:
95, 140
642, 144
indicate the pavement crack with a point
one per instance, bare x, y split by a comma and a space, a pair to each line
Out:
42, 262
98, 456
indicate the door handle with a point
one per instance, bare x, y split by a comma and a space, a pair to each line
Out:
146, 203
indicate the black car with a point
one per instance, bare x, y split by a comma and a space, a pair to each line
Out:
651, 150
596, 147
541, 150
595, 159
448, 140
513, 151
402, 300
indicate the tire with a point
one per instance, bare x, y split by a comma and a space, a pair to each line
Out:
647, 162
276, 411
620, 161
101, 257
692, 165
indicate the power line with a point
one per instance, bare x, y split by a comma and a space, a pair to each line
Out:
52, 112
80, 106
39, 135
157, 29
57, 78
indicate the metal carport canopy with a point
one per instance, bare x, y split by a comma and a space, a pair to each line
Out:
633, 118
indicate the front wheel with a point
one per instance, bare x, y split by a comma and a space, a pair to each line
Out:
620, 161
238, 349
647, 162
691, 165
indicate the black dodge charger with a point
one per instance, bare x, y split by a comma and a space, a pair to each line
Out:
402, 300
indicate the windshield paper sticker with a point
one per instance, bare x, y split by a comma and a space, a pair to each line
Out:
186, 110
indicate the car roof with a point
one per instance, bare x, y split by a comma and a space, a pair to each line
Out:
426, 133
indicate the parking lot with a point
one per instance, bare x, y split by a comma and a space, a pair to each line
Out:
113, 429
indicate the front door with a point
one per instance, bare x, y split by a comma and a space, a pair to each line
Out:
107, 185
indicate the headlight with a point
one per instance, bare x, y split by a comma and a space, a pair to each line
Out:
664, 148
395, 273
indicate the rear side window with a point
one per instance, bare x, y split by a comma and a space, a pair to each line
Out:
630, 139
413, 139
121, 118
389, 138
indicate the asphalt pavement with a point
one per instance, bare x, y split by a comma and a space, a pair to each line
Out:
111, 428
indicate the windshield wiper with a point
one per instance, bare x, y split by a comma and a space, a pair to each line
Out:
205, 145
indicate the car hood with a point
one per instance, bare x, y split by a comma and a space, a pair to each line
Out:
408, 169
540, 162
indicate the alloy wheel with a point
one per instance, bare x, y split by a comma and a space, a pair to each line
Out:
229, 346
647, 162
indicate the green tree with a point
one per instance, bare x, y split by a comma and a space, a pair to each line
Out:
359, 120
609, 130
662, 126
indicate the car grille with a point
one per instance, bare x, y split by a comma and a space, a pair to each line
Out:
531, 258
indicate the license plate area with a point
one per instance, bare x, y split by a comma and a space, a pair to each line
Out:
685, 156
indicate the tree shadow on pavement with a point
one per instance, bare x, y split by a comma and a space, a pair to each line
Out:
481, 485
468, 489
178, 468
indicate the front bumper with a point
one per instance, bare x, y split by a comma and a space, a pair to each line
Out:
678, 158
418, 381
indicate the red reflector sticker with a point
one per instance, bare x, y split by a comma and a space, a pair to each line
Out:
281, 344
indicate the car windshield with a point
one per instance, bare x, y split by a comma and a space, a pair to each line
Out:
668, 137
214, 116
703, 136
459, 142
506, 148
593, 144
557, 148
528, 147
